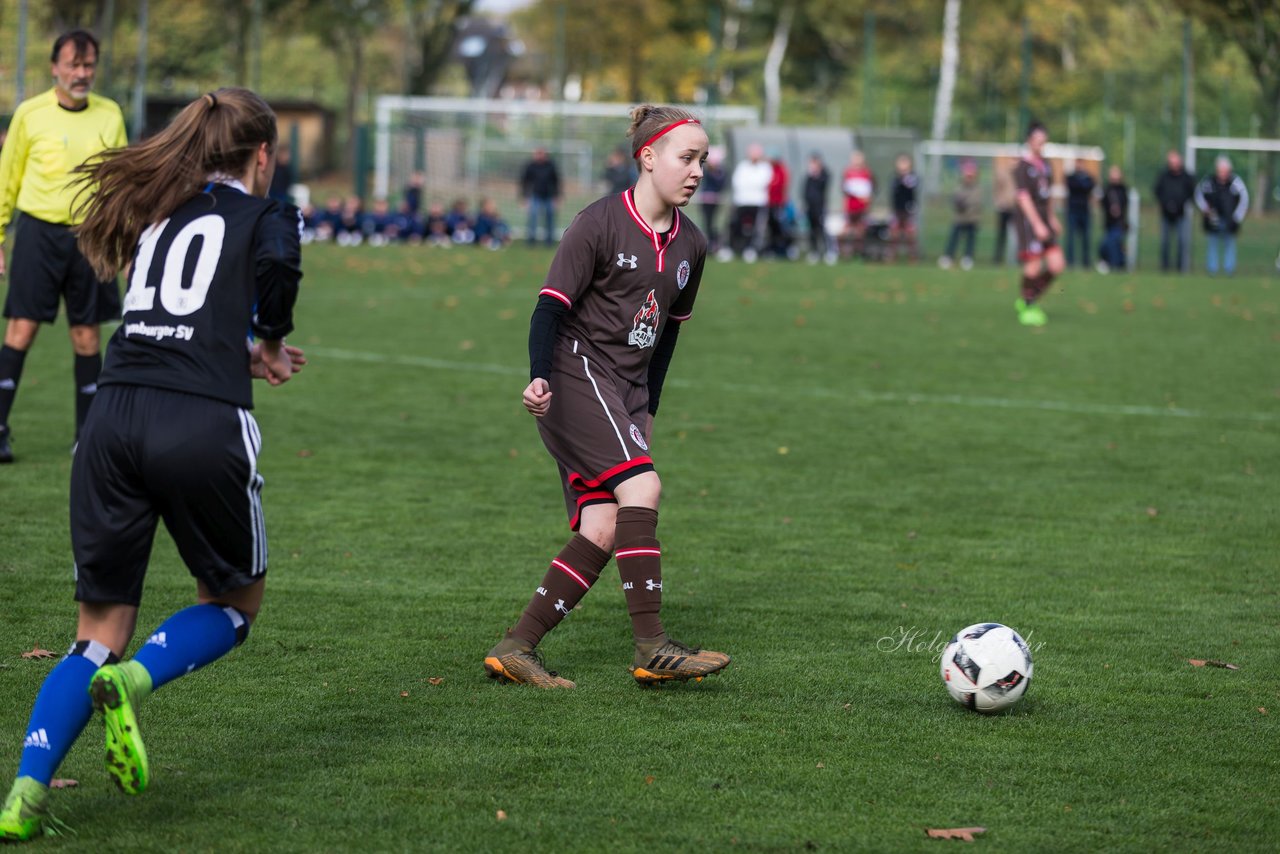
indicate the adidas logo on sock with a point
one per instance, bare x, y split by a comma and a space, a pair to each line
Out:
38, 738
159, 640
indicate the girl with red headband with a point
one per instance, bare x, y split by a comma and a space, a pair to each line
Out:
622, 283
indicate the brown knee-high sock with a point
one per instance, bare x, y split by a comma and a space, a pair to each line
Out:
1030, 288
571, 575
639, 558
1042, 283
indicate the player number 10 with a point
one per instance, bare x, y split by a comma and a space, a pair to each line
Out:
176, 299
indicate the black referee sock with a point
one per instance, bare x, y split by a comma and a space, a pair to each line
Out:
10, 374
87, 369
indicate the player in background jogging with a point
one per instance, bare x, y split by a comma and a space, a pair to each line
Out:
1037, 226
621, 285
170, 435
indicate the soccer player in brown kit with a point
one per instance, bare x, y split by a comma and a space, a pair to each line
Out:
1038, 228
601, 338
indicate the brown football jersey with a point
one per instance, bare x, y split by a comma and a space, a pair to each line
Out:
1034, 178
622, 282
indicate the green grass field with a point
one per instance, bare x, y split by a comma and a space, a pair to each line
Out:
858, 461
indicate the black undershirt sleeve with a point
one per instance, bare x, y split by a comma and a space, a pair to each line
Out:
661, 360
543, 327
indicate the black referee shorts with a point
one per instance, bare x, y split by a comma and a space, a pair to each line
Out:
147, 454
46, 265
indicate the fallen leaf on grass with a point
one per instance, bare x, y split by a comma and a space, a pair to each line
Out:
965, 833
404, 693
62, 783
502, 815
1262, 710
648, 781
37, 652
304, 453
435, 680
1153, 512
1212, 662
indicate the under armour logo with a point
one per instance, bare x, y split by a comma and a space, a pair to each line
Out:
542, 591
652, 585
560, 606
624, 261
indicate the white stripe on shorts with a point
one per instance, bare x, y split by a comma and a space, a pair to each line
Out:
586, 367
252, 442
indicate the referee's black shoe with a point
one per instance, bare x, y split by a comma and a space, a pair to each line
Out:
6, 452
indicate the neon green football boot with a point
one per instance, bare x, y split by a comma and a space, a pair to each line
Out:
115, 689
25, 811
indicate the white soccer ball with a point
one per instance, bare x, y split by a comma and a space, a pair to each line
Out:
986, 667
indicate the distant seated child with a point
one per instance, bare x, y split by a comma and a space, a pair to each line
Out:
458, 223
379, 224
405, 225
350, 230
310, 222
491, 231
436, 227
328, 220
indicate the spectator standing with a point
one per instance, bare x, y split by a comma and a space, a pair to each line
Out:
1175, 187
1080, 187
283, 179
902, 230
709, 192
413, 193
967, 204
1115, 221
779, 217
816, 180
619, 172
1005, 196
751, 179
1224, 201
540, 188
859, 187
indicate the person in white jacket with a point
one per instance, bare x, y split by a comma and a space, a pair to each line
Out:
750, 201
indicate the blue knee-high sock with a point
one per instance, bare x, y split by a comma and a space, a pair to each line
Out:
61, 710
190, 639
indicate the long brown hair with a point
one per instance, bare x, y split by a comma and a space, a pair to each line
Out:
127, 189
648, 119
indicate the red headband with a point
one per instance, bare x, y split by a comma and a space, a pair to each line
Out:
657, 136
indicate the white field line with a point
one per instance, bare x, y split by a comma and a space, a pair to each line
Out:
849, 395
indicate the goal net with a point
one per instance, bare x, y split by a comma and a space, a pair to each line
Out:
473, 148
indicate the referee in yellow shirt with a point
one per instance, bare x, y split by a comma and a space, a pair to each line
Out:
49, 136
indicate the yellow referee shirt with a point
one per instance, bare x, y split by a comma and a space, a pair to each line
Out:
45, 142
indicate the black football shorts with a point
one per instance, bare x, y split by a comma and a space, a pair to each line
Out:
147, 454
46, 265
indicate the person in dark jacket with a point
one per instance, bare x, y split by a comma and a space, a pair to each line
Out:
710, 190
540, 188
906, 205
1224, 201
1080, 185
816, 180
1115, 222
1175, 186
